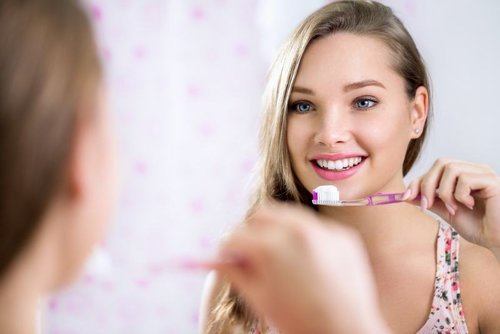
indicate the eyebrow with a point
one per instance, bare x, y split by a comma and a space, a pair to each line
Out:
361, 84
349, 87
303, 90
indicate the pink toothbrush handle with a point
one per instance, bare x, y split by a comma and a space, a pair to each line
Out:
206, 265
386, 198
197, 265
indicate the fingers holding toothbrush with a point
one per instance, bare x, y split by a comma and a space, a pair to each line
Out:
467, 195
440, 180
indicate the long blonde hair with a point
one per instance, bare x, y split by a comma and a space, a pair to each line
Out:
276, 179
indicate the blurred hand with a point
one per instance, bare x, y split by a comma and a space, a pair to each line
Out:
301, 273
467, 195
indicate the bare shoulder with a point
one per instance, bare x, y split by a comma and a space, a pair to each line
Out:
480, 287
214, 285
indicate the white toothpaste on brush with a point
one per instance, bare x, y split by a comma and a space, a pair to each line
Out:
329, 195
325, 194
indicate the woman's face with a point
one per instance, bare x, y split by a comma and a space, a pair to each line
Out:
349, 108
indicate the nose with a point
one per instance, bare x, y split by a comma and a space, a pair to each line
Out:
333, 128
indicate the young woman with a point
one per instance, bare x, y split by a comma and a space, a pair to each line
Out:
57, 174
347, 104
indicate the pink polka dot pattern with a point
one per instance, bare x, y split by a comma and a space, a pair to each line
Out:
197, 13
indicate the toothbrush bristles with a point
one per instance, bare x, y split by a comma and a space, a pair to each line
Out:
326, 202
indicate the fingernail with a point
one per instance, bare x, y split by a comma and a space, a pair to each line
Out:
407, 194
423, 203
450, 209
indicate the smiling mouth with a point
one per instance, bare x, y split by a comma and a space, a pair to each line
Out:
338, 165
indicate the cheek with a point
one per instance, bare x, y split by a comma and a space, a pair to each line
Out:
386, 141
107, 173
297, 139
102, 194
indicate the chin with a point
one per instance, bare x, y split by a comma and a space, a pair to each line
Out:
65, 279
71, 268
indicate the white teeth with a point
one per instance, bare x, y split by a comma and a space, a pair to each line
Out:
339, 164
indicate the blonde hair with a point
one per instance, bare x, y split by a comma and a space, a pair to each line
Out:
277, 179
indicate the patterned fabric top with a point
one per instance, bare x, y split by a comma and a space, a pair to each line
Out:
446, 315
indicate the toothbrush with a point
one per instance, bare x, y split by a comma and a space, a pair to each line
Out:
188, 264
192, 264
323, 195
329, 195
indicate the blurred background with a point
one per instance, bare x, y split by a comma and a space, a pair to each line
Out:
185, 80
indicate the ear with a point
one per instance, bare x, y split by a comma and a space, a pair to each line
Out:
419, 111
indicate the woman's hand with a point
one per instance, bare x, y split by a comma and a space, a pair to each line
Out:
467, 195
302, 274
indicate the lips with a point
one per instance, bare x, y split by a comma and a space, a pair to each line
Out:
334, 175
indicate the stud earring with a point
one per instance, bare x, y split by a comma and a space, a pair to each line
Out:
417, 131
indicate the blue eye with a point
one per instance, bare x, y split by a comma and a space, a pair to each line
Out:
301, 107
365, 103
